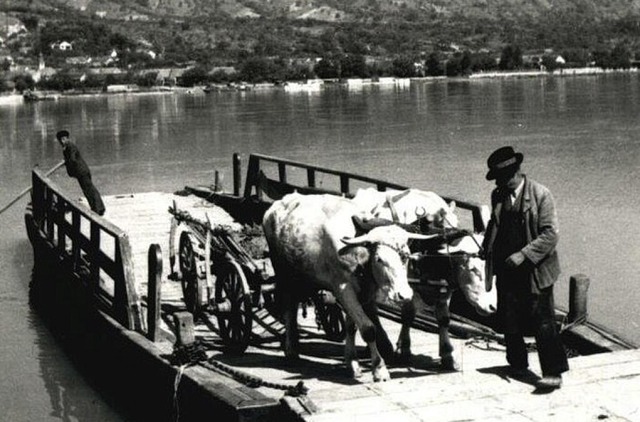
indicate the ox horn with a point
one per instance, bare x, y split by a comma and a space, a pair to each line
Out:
358, 240
392, 208
418, 236
398, 196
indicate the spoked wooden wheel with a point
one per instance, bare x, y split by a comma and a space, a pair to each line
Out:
331, 319
233, 307
192, 283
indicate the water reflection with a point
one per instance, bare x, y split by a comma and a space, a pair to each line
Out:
578, 135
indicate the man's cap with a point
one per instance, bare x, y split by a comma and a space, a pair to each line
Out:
503, 160
62, 134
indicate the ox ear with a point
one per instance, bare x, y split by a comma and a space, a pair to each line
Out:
452, 206
354, 258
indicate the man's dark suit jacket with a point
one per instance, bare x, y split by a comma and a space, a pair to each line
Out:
76, 166
541, 225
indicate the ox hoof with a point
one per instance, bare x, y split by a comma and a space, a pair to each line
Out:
402, 356
381, 374
449, 364
354, 367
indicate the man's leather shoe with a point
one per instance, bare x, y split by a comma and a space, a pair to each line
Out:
549, 382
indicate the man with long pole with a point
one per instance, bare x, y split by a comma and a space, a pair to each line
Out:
78, 168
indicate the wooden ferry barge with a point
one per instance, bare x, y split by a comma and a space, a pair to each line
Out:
104, 285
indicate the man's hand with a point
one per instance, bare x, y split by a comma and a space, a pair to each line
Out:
515, 260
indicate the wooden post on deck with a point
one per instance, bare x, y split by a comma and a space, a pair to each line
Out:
578, 288
185, 334
153, 293
236, 174
217, 187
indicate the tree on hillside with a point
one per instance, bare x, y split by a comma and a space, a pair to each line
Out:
23, 82
404, 67
194, 76
353, 66
620, 57
482, 62
511, 58
549, 62
459, 64
434, 65
260, 69
576, 57
327, 68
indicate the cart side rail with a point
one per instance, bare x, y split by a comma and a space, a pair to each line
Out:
98, 251
261, 181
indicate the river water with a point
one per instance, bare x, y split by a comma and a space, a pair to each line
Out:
579, 136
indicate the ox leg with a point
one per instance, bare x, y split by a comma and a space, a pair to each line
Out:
380, 372
350, 303
445, 347
403, 345
350, 353
290, 317
385, 347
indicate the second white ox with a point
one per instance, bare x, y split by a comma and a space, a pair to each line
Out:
313, 245
407, 206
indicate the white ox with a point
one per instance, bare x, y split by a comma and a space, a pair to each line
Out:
313, 246
407, 206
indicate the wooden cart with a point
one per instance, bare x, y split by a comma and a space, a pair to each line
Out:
224, 274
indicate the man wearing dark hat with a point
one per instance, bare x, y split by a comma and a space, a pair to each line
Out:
520, 249
78, 168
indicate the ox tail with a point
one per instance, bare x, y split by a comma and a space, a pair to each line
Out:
278, 303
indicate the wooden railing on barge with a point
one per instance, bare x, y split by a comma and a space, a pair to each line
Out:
343, 183
97, 252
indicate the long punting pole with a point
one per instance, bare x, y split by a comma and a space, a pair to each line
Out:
27, 190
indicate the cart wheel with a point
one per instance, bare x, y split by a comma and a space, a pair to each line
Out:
234, 307
192, 283
331, 319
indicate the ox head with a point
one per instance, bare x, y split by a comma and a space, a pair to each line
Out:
409, 206
388, 257
469, 270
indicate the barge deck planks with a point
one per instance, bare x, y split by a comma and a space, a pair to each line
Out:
598, 387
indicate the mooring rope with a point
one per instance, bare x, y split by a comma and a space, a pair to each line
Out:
176, 383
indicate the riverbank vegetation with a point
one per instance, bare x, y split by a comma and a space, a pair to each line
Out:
62, 48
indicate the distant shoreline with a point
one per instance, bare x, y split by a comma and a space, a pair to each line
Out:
570, 71
14, 99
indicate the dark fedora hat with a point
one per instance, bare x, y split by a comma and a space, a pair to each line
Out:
62, 134
503, 160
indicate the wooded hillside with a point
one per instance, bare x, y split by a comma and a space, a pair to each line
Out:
224, 32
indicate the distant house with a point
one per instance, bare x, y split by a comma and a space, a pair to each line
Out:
137, 17
15, 28
65, 46
167, 76
101, 14
78, 60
